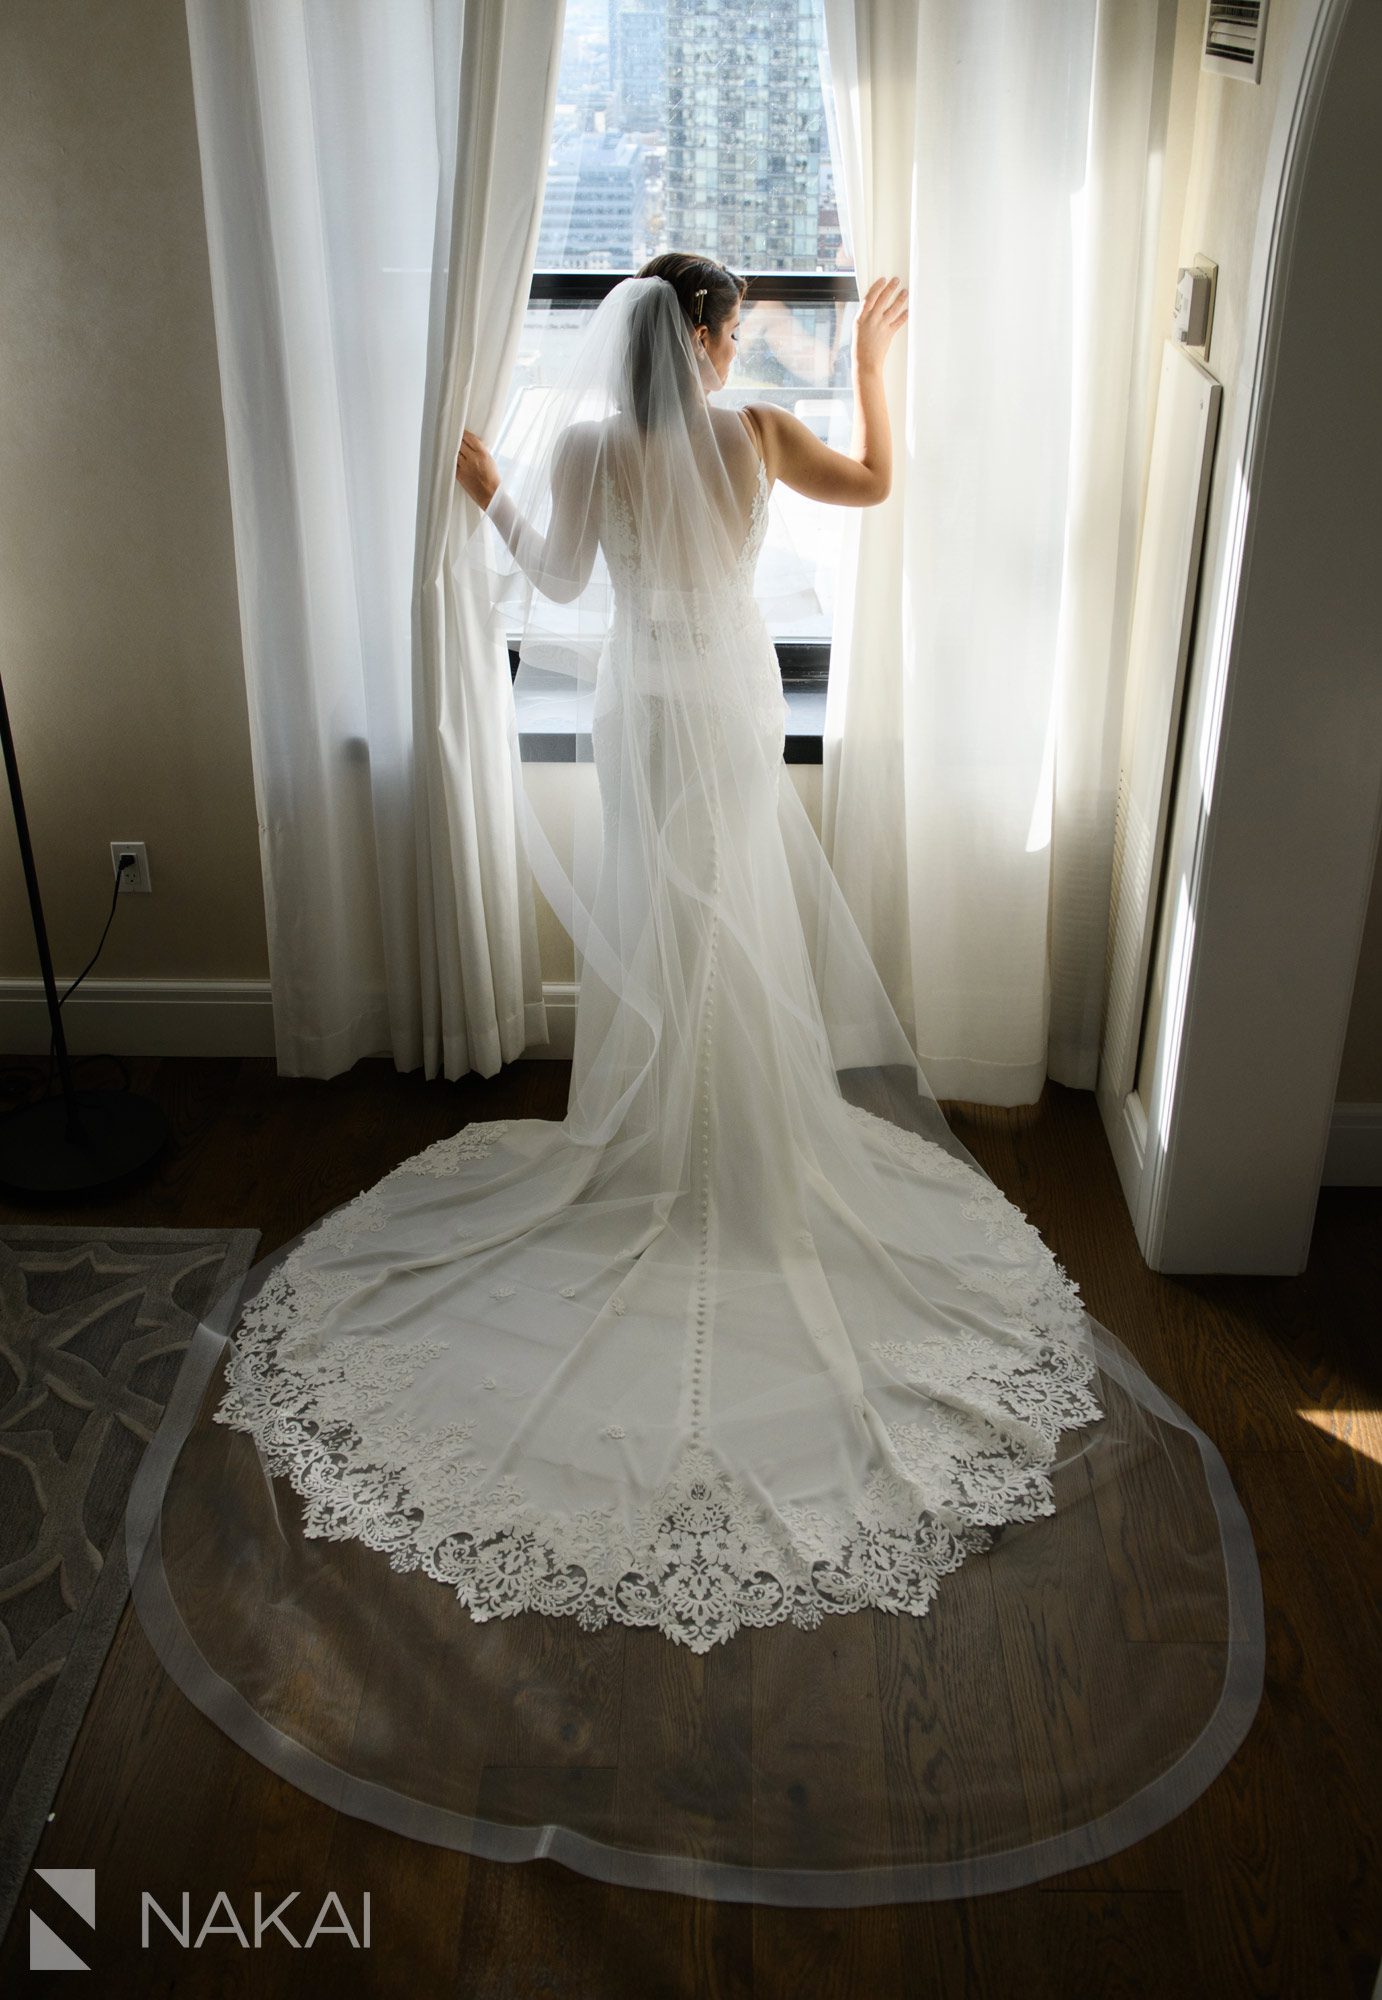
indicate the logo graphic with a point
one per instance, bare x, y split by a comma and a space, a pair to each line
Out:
47, 1952
77, 1887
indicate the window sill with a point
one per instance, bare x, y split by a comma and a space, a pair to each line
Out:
548, 733
546, 736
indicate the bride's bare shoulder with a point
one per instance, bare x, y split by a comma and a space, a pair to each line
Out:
768, 423
753, 418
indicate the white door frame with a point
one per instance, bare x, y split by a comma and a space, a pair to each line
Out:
1278, 791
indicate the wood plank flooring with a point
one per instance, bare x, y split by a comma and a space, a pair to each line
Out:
1270, 1884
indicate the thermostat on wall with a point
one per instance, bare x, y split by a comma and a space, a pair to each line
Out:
1194, 303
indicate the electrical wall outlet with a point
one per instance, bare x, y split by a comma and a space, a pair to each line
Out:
133, 881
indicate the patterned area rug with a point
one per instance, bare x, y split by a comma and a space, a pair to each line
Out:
95, 1324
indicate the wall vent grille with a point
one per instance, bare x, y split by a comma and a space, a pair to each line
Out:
1233, 37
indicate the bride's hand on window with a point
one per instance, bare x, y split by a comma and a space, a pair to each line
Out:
476, 470
882, 312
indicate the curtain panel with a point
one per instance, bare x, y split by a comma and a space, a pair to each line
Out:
373, 180
1004, 159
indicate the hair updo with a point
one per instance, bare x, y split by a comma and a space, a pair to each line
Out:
707, 294
707, 291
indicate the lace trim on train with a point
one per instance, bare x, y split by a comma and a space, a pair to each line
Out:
702, 1559
1025, 1276
315, 1290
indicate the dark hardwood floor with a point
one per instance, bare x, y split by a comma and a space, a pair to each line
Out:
1269, 1884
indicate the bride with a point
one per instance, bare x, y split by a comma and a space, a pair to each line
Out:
747, 1339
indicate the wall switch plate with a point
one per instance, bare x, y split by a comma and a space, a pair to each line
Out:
134, 881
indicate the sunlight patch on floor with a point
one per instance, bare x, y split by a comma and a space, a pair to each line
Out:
1360, 1430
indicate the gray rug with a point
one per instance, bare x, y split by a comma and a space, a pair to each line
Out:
95, 1323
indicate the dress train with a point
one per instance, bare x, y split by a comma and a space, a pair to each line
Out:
747, 1354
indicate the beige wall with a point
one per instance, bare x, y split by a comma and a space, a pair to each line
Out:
118, 613
119, 628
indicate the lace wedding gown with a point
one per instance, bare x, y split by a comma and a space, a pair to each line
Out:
747, 1340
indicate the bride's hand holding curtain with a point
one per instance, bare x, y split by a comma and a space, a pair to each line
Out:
476, 469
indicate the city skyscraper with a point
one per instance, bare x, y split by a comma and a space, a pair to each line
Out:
638, 64
726, 99
747, 151
593, 211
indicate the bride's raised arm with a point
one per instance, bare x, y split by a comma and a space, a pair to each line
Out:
558, 563
862, 476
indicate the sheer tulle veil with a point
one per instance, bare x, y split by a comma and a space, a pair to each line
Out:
670, 686
722, 1489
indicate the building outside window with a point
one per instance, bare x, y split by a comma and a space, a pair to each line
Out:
690, 125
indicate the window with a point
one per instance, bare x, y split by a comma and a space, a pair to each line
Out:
684, 124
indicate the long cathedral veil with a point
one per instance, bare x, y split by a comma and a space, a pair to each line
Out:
813, 1542
640, 649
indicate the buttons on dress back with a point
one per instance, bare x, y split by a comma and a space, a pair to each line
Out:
701, 1319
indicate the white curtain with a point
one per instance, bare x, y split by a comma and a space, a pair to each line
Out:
373, 178
1005, 160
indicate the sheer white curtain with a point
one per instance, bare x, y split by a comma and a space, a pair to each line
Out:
1004, 159
373, 183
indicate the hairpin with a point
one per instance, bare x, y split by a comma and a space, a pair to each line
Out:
700, 300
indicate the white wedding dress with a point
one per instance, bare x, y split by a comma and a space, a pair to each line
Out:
746, 1340
807, 1368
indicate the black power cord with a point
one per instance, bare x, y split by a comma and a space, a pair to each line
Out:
17, 1084
76, 1142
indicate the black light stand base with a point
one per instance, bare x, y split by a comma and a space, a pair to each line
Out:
77, 1140
117, 1133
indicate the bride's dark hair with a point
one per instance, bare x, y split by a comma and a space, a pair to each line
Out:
707, 294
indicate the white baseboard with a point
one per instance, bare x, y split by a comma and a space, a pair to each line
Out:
560, 998
234, 1017
1353, 1157
188, 1017
141, 1017
1125, 1126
